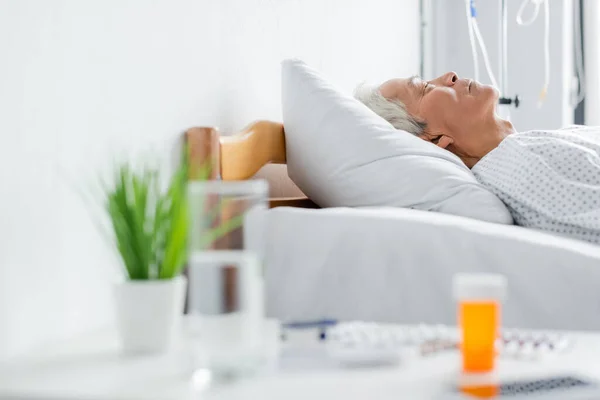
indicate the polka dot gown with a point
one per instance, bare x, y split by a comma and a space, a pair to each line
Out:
549, 180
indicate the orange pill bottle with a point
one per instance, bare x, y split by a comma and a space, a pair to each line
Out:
479, 298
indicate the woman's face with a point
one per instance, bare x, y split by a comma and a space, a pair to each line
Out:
455, 110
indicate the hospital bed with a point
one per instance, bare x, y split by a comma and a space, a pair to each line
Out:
393, 264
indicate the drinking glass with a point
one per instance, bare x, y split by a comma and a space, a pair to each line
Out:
226, 297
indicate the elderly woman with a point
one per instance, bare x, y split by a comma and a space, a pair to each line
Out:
549, 180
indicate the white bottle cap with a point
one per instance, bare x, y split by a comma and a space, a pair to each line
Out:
479, 286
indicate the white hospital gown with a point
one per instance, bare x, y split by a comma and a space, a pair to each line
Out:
549, 180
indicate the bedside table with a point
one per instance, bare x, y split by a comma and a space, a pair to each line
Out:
92, 367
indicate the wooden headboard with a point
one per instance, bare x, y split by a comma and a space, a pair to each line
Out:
241, 156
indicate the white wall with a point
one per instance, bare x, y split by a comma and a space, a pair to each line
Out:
84, 81
451, 51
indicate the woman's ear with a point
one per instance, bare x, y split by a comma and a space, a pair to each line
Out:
437, 137
445, 141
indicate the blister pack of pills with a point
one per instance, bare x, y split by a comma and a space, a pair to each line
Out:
365, 342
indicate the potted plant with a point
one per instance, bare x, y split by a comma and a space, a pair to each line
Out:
151, 228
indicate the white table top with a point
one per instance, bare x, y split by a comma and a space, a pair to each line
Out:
93, 368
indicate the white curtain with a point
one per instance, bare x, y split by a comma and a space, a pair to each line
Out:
591, 26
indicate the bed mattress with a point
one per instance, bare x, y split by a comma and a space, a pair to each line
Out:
396, 265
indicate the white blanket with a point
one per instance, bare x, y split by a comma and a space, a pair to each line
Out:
549, 180
396, 265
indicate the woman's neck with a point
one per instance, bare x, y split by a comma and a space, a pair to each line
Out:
496, 130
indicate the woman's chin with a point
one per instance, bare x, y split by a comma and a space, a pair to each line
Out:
494, 90
490, 92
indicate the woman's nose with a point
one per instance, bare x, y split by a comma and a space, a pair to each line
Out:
450, 78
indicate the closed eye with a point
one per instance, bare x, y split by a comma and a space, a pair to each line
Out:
428, 87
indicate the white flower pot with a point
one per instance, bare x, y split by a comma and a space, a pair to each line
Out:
149, 313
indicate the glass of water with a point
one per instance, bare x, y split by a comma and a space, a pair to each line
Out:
225, 304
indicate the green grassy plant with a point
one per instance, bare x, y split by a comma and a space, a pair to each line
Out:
151, 227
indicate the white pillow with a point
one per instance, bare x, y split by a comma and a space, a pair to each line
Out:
340, 153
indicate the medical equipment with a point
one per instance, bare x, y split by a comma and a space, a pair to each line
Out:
475, 33
578, 94
475, 39
503, 63
536, 10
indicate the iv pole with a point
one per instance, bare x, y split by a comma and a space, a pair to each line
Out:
503, 59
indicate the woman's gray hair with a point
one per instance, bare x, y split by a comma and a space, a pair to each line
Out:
393, 111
